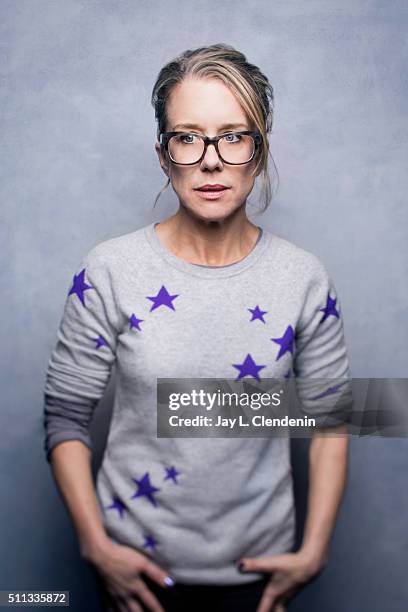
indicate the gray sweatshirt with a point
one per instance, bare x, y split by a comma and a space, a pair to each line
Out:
193, 505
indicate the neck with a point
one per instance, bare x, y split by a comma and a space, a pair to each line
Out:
208, 242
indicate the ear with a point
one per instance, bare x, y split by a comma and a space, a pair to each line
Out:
162, 158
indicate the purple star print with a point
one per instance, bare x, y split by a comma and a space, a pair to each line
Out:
330, 308
248, 368
118, 505
163, 298
172, 473
329, 391
134, 322
257, 313
286, 342
149, 542
100, 341
79, 286
145, 489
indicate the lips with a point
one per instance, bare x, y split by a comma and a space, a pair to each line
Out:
212, 188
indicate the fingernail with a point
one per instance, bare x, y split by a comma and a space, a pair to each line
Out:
241, 566
169, 581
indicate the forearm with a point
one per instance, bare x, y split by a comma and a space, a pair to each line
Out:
328, 462
71, 466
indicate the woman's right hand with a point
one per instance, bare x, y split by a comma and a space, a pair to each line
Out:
120, 567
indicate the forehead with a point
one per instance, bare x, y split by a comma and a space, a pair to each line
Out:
206, 102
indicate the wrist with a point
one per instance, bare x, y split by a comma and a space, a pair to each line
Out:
314, 560
95, 550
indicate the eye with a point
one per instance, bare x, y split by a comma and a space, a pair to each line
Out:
229, 137
184, 138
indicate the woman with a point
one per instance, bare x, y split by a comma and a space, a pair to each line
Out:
204, 523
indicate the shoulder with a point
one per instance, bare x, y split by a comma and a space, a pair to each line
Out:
300, 263
116, 251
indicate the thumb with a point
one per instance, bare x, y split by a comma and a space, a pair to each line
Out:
260, 564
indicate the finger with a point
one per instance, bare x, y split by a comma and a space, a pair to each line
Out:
156, 573
120, 601
116, 604
263, 564
111, 602
280, 607
268, 599
147, 597
133, 606
122, 606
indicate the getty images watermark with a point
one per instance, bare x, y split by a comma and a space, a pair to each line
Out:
273, 407
220, 399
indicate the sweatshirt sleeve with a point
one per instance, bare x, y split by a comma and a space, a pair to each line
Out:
321, 364
81, 362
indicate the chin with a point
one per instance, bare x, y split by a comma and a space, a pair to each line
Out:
212, 211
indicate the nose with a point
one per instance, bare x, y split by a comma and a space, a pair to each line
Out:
211, 158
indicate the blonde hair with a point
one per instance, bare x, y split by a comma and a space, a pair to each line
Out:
250, 86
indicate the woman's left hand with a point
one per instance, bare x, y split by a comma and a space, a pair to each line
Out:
290, 572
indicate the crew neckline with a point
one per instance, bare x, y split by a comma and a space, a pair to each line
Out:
203, 270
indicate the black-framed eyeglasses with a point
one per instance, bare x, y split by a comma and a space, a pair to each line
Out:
233, 148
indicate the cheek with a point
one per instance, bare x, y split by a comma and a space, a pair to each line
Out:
244, 181
180, 179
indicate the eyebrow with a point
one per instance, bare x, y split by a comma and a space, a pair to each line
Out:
226, 126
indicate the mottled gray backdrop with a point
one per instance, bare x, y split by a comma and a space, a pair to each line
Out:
78, 166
